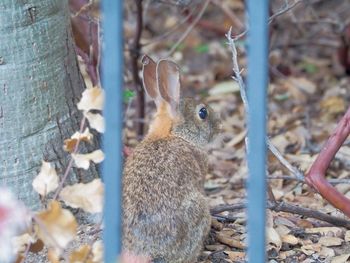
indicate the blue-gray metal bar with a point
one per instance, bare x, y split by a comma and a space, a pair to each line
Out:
112, 80
256, 84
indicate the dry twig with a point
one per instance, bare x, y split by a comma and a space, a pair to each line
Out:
71, 161
169, 31
285, 9
288, 208
236, 23
302, 180
189, 29
135, 54
293, 170
242, 88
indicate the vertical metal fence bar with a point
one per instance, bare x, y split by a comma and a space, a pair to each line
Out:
112, 80
257, 83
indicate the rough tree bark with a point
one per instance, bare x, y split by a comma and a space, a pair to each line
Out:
40, 85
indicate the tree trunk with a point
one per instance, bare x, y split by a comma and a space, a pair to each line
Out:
40, 85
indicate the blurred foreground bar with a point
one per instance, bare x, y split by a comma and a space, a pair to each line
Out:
112, 82
256, 85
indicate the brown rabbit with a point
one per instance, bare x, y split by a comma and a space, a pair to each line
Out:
166, 215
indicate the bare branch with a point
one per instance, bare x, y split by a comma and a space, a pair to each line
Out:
237, 72
289, 208
229, 13
292, 169
189, 29
242, 88
302, 180
169, 31
135, 54
70, 164
285, 9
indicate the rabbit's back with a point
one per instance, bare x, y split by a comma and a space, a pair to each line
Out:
165, 213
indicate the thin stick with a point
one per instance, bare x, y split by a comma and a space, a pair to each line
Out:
229, 13
297, 173
242, 88
98, 62
169, 31
228, 208
237, 71
70, 164
83, 8
26, 253
135, 54
38, 221
287, 8
289, 208
316, 179
302, 180
189, 29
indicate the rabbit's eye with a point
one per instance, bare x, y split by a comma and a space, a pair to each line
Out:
203, 113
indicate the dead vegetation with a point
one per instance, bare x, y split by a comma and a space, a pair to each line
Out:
308, 93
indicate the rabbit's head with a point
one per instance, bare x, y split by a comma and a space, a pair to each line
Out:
195, 122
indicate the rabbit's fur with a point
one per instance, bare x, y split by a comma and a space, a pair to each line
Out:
166, 215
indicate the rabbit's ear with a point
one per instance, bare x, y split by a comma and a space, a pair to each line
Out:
168, 80
149, 79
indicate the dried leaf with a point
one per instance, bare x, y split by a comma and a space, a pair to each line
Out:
284, 221
80, 255
83, 160
333, 105
290, 239
311, 249
216, 224
341, 259
96, 121
92, 99
235, 255
304, 84
284, 254
53, 256
227, 240
69, 144
237, 139
36, 246
84, 73
327, 252
57, 226
88, 197
47, 180
304, 223
273, 237
330, 241
97, 251
215, 247
347, 236
224, 87
282, 230
19, 243
278, 194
